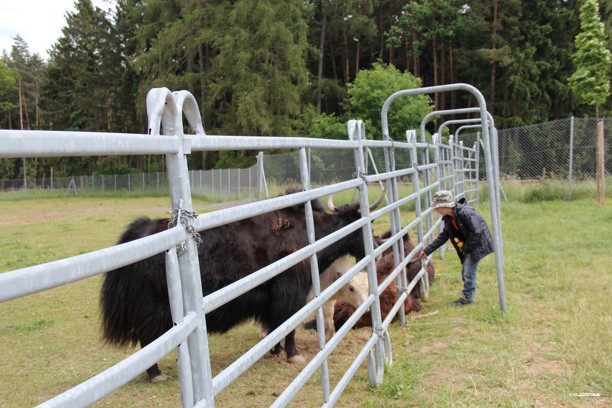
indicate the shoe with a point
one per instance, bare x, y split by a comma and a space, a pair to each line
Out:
462, 302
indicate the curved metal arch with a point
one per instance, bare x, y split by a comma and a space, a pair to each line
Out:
165, 110
430, 115
490, 161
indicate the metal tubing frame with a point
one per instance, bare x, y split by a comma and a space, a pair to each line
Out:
452, 142
416, 188
491, 163
314, 268
356, 131
166, 109
476, 150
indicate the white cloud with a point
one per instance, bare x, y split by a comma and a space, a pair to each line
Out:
38, 22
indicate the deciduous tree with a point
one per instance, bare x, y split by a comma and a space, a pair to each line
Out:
591, 80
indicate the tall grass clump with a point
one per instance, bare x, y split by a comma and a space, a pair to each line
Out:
548, 190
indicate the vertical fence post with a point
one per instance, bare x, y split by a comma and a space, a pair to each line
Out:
571, 158
396, 222
164, 106
416, 188
376, 364
477, 166
601, 163
175, 297
314, 267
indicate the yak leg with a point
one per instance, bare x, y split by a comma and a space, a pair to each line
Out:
277, 349
412, 304
263, 332
293, 355
286, 298
155, 374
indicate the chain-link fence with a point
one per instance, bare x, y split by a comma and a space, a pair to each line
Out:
552, 150
219, 184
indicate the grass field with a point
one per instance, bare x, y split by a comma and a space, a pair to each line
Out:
551, 349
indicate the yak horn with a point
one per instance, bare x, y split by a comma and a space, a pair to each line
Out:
330, 203
378, 200
332, 207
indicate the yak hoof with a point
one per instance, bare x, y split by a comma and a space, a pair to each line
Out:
276, 350
297, 359
160, 378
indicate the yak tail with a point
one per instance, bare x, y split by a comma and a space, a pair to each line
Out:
134, 299
114, 312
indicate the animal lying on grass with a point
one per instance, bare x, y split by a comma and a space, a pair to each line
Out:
384, 266
354, 293
134, 298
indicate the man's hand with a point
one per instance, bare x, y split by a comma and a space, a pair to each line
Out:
422, 255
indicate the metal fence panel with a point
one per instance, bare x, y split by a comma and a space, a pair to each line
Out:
332, 165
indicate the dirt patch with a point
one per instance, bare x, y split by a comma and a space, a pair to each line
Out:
438, 345
536, 363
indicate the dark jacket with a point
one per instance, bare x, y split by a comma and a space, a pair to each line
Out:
473, 233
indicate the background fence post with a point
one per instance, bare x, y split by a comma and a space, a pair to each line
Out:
571, 157
601, 163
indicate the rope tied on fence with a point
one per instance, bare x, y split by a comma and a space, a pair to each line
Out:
392, 148
362, 175
183, 217
380, 332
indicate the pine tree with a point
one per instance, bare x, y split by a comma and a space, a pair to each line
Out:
590, 82
8, 87
83, 73
258, 65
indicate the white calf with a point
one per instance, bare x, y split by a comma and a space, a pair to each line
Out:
354, 292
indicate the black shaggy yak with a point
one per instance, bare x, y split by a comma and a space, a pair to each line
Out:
134, 298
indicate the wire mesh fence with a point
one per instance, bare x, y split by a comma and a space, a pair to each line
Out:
555, 150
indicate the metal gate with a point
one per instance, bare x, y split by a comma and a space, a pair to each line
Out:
454, 167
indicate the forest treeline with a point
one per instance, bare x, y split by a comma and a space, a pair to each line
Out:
289, 67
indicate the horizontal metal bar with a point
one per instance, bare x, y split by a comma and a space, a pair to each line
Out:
227, 215
48, 143
121, 373
33, 279
219, 142
423, 167
323, 354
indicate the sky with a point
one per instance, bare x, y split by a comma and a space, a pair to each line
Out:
38, 22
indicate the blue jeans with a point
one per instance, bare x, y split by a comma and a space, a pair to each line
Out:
468, 273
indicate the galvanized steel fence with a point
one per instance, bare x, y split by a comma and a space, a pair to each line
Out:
455, 167
563, 149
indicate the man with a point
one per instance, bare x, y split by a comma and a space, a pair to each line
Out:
468, 233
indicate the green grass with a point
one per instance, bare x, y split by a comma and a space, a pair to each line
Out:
554, 340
